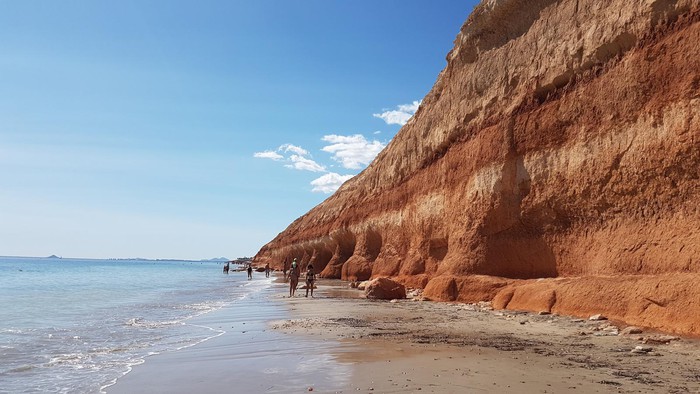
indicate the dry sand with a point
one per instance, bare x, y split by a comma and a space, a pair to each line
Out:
417, 346
339, 343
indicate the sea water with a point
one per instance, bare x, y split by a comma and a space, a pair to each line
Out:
77, 325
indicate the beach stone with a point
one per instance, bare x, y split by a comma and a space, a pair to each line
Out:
659, 339
385, 289
641, 349
631, 330
606, 334
363, 285
413, 293
597, 317
544, 313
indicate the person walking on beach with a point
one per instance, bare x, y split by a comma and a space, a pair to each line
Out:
310, 279
284, 269
250, 271
267, 270
293, 278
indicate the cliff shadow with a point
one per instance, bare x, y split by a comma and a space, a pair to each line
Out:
321, 257
437, 250
512, 248
344, 241
373, 244
359, 266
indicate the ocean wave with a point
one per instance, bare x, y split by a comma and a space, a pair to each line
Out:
142, 323
193, 343
75, 359
203, 306
23, 368
108, 350
129, 367
16, 330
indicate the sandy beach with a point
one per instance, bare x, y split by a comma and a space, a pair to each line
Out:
340, 343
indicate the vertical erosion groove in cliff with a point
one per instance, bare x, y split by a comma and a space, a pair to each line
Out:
561, 141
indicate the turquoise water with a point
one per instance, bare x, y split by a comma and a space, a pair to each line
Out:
73, 325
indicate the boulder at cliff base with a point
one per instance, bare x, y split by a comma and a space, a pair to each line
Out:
385, 289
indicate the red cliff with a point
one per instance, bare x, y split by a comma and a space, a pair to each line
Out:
555, 165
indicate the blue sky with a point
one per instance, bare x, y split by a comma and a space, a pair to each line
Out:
197, 129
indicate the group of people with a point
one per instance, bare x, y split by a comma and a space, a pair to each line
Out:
250, 271
295, 273
293, 277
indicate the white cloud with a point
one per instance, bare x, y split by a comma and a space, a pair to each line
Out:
329, 183
352, 151
304, 164
399, 116
377, 132
294, 149
268, 154
412, 108
299, 159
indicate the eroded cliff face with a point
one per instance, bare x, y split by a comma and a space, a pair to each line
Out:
561, 141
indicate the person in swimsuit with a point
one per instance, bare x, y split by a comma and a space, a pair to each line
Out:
293, 278
284, 269
310, 279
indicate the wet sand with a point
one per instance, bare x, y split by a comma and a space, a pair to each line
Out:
247, 358
339, 343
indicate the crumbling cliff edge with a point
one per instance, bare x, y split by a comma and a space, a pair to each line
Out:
554, 166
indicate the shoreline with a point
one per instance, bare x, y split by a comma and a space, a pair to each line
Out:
348, 344
246, 357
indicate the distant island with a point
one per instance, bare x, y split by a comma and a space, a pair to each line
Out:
239, 260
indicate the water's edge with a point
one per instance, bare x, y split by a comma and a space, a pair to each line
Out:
247, 355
